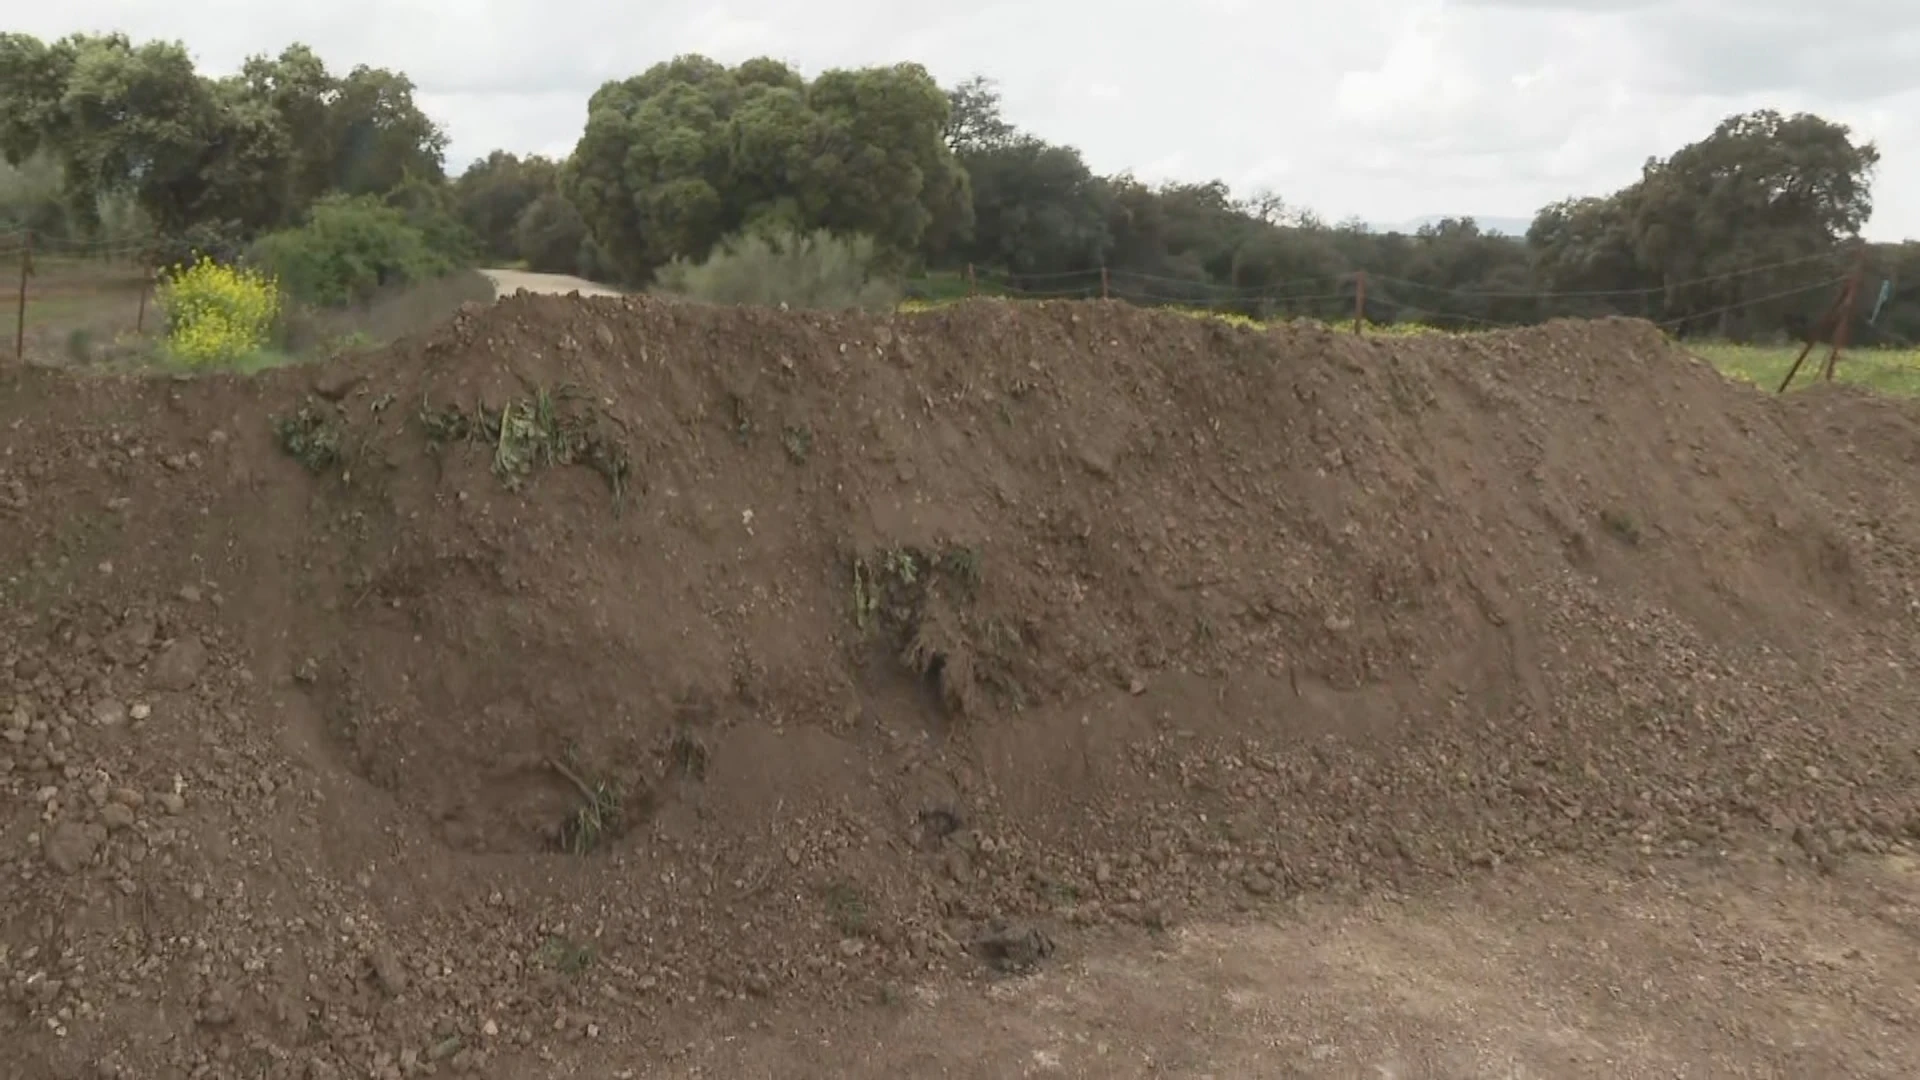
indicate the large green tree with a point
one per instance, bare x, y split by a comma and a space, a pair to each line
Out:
252, 151
689, 151
1037, 208
1685, 242
493, 194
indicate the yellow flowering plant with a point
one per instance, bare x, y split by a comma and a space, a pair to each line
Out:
217, 314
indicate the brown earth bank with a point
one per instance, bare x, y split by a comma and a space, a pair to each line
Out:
595, 675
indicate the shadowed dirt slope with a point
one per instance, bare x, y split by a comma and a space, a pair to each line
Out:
518, 694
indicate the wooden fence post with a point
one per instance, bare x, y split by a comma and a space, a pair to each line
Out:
20, 324
973, 286
1105, 292
1360, 302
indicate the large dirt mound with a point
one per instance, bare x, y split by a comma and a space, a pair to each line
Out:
594, 659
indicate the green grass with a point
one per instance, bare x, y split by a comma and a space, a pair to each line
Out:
1888, 371
947, 286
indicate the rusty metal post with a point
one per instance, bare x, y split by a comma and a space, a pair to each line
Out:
1843, 326
1795, 369
1833, 310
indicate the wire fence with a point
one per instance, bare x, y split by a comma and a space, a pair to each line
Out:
71, 296
1364, 298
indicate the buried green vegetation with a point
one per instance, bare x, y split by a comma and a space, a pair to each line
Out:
888, 586
922, 603
847, 910
310, 437
565, 955
545, 429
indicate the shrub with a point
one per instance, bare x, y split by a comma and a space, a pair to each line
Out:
215, 314
802, 270
349, 248
429, 208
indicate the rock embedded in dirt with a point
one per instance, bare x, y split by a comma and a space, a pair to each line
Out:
70, 846
1012, 949
179, 665
388, 972
110, 713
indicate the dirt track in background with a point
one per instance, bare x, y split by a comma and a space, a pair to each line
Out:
1052, 690
508, 282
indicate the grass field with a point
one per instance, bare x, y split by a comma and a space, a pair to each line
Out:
1890, 371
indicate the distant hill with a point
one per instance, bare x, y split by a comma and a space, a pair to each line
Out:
1512, 226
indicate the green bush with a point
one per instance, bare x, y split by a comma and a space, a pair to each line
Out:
810, 270
350, 247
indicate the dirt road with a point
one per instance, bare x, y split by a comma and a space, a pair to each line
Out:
508, 282
1734, 968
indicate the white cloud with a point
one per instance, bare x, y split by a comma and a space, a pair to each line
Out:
1384, 109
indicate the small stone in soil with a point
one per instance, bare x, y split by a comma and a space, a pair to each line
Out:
69, 846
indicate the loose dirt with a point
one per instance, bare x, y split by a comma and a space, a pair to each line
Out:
608, 687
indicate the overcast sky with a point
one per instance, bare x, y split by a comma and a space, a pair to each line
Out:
1383, 109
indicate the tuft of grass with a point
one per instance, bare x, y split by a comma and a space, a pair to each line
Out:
847, 909
798, 441
595, 819
689, 754
1621, 524
80, 345
962, 564
565, 955
742, 418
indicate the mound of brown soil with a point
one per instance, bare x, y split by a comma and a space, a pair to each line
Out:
595, 660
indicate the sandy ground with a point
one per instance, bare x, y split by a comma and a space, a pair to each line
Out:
1745, 965
508, 282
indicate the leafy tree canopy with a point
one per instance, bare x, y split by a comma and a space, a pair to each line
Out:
254, 150
690, 151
